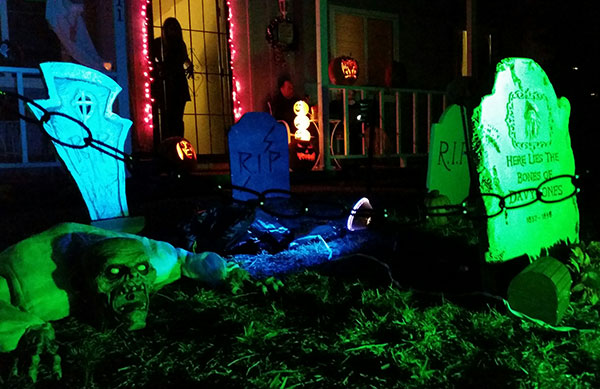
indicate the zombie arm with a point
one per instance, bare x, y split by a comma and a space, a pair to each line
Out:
206, 267
14, 324
210, 268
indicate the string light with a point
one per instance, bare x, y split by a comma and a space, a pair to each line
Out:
146, 68
236, 90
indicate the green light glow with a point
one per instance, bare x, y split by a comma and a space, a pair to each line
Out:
448, 169
521, 138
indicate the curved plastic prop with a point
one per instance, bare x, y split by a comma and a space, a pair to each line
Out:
521, 138
88, 96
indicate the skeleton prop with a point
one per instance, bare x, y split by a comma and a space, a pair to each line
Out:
74, 268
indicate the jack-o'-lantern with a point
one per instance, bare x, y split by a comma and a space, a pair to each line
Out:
178, 153
303, 155
343, 70
304, 150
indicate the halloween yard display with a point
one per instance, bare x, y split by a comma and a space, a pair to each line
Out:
104, 276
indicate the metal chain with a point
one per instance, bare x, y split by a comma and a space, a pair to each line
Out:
471, 206
88, 140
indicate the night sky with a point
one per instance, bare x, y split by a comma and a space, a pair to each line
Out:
559, 35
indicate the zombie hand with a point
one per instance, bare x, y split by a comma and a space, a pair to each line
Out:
269, 283
41, 340
238, 277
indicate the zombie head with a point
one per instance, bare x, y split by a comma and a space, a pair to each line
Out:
120, 277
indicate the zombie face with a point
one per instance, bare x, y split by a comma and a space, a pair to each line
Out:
120, 276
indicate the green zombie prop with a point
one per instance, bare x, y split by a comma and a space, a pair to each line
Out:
75, 268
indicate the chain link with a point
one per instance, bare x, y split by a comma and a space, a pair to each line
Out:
552, 190
87, 140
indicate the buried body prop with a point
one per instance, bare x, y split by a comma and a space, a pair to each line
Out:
78, 269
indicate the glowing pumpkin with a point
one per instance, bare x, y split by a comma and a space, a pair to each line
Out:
178, 153
343, 70
304, 149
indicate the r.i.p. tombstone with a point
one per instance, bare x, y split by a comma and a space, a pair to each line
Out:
448, 167
258, 155
525, 163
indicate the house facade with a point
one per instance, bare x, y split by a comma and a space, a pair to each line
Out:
407, 53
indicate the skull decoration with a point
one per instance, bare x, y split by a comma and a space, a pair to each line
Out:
121, 277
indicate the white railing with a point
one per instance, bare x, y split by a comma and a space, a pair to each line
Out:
16, 135
402, 123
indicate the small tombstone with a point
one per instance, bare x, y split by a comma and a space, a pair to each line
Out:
258, 155
88, 96
448, 167
525, 163
541, 290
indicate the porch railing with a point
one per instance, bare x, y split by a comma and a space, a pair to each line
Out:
402, 123
22, 144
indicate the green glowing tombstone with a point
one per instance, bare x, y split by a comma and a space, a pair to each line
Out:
525, 163
87, 95
448, 168
542, 290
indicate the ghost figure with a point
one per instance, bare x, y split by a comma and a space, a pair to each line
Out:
532, 121
79, 269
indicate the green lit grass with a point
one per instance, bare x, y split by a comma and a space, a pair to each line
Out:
323, 332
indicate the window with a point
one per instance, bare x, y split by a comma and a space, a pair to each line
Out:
28, 38
204, 25
369, 37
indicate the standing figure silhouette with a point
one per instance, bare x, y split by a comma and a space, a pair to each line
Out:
170, 88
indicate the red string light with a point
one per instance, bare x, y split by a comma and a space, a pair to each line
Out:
147, 69
236, 90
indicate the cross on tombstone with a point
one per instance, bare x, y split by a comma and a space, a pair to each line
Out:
85, 105
87, 95
525, 163
258, 155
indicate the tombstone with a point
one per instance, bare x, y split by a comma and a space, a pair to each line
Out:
448, 167
522, 146
258, 155
542, 290
88, 96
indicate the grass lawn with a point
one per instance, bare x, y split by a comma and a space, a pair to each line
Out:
323, 332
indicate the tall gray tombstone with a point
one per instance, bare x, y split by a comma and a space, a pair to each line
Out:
258, 155
448, 167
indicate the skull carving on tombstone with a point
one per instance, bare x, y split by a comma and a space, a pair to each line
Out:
120, 278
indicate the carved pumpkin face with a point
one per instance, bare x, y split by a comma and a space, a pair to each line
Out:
305, 151
185, 150
178, 154
343, 70
349, 68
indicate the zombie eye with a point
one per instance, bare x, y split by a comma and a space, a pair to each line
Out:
114, 271
142, 268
